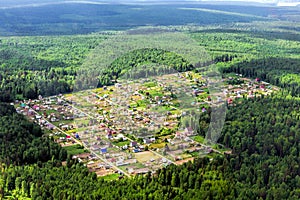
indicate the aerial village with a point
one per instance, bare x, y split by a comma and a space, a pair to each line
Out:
136, 127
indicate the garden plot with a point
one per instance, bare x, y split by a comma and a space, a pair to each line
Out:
100, 168
146, 156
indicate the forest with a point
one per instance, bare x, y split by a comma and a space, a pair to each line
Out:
263, 132
77, 17
32, 66
50, 64
22, 141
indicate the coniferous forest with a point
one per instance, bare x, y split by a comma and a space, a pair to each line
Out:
263, 132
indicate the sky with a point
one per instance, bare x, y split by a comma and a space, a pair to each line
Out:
9, 3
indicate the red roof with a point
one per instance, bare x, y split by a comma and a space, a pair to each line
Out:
229, 100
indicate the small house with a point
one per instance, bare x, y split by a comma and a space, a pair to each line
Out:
135, 150
36, 107
141, 147
77, 136
102, 125
142, 171
147, 141
50, 126
133, 144
229, 101
95, 147
177, 134
146, 120
103, 150
109, 135
189, 131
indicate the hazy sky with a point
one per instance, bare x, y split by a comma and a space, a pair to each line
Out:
9, 3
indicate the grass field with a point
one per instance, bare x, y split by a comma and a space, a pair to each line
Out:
75, 149
111, 177
195, 154
199, 139
145, 156
158, 145
154, 93
62, 122
162, 108
120, 144
150, 84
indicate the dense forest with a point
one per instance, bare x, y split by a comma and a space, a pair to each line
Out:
140, 57
282, 72
262, 132
42, 65
197, 180
22, 141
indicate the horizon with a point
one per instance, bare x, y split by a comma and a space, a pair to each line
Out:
34, 3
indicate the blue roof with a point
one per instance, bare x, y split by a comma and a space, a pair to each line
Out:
104, 150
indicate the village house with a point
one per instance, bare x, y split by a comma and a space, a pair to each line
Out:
103, 150
178, 135
65, 127
109, 135
50, 126
142, 171
82, 156
133, 144
147, 141
188, 131
229, 101
95, 147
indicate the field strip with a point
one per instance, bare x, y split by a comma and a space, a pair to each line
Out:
223, 12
